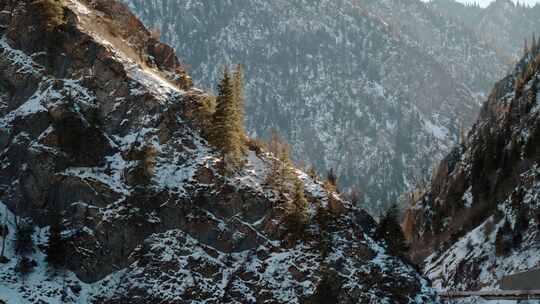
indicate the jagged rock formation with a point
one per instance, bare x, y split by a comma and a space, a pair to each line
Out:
374, 89
491, 179
503, 24
97, 123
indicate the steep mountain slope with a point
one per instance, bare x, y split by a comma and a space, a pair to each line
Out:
347, 85
97, 124
503, 24
480, 219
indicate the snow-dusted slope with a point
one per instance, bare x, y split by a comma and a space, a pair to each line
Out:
43, 284
490, 179
472, 262
97, 124
375, 89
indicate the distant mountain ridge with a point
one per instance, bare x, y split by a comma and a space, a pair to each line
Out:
352, 85
503, 24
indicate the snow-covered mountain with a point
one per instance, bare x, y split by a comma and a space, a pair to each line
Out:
375, 89
99, 130
479, 220
503, 24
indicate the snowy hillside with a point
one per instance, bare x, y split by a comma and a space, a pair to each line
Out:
474, 255
479, 219
374, 89
100, 141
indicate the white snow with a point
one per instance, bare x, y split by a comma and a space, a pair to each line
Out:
33, 105
478, 247
42, 284
468, 198
438, 131
19, 59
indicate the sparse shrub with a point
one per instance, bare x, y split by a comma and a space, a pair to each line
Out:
204, 113
25, 266
329, 287
149, 161
256, 145
488, 228
143, 171
335, 206
331, 183
51, 13
56, 246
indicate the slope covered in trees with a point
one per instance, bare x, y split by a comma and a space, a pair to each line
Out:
504, 24
479, 219
377, 90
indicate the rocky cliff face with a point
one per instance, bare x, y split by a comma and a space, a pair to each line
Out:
97, 123
490, 180
374, 89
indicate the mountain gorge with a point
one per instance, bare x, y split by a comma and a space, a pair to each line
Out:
479, 219
377, 90
101, 148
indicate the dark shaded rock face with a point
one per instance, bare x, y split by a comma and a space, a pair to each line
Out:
96, 123
489, 179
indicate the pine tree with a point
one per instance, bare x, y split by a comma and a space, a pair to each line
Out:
204, 115
331, 181
226, 134
56, 247
23, 237
389, 230
280, 176
238, 96
521, 225
296, 217
4, 232
329, 287
504, 239
25, 265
